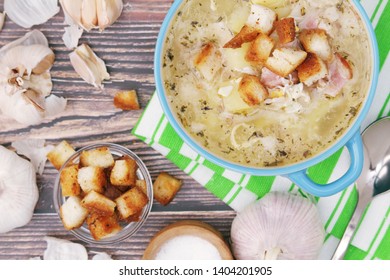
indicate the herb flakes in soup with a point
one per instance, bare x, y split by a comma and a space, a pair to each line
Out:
266, 83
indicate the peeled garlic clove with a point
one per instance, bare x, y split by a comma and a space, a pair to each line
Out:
108, 11
27, 13
60, 249
89, 66
18, 190
71, 36
278, 226
2, 20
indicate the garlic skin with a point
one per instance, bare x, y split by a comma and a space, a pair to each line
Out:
2, 20
278, 226
35, 150
72, 35
18, 190
60, 249
89, 66
27, 13
90, 14
25, 80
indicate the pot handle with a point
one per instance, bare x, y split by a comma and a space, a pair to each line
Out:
355, 149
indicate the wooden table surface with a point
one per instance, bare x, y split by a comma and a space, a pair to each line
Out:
127, 47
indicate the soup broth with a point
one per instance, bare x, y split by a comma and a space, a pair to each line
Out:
253, 94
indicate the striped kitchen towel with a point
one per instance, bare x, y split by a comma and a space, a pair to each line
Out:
238, 190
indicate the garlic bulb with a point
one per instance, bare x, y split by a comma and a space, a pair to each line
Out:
60, 249
2, 20
18, 190
35, 150
89, 66
279, 226
90, 14
27, 13
25, 80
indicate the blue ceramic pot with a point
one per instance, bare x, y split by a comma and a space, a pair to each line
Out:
297, 172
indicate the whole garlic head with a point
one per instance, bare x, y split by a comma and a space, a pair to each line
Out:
278, 226
90, 14
18, 190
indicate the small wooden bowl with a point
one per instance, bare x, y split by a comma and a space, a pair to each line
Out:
188, 227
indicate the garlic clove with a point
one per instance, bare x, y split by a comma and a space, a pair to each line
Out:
60, 249
27, 13
278, 226
35, 99
89, 18
72, 10
2, 20
89, 66
35, 150
39, 83
34, 37
108, 11
72, 35
18, 190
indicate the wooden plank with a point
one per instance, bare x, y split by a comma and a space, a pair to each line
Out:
28, 241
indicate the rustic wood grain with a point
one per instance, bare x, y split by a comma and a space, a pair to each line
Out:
127, 47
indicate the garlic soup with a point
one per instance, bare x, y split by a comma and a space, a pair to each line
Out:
266, 83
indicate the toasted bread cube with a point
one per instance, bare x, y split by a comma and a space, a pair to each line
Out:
165, 188
124, 172
312, 70
260, 49
126, 100
251, 90
134, 218
112, 192
102, 226
96, 202
141, 184
316, 41
246, 34
100, 157
131, 202
208, 61
285, 28
91, 178
72, 213
68, 180
284, 61
60, 154
262, 18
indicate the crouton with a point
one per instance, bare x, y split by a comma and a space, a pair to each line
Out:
246, 34
103, 226
262, 18
112, 192
96, 202
316, 41
91, 178
312, 69
141, 184
260, 49
68, 181
72, 213
60, 154
131, 202
165, 188
284, 61
285, 28
124, 172
208, 61
251, 90
100, 157
126, 100
134, 218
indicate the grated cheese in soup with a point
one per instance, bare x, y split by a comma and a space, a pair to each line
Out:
266, 85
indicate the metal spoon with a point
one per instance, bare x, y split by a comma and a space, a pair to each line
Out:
374, 179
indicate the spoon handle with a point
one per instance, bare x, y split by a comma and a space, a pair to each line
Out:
350, 230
